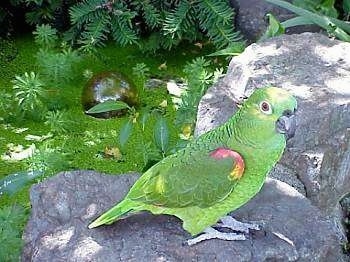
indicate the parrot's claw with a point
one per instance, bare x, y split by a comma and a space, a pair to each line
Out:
230, 222
211, 233
226, 222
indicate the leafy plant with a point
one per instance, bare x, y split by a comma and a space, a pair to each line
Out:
325, 7
145, 146
154, 147
141, 73
53, 12
199, 77
57, 67
125, 132
8, 51
12, 220
333, 26
161, 135
45, 36
108, 106
29, 91
58, 122
215, 17
42, 10
345, 204
274, 28
6, 104
47, 161
165, 24
346, 9
44, 162
232, 50
56, 64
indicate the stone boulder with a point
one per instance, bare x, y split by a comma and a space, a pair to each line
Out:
316, 70
251, 18
64, 205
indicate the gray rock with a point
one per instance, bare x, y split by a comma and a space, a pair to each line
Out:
289, 176
316, 70
251, 22
154, 83
63, 206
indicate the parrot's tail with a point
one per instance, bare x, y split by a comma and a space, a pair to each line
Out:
115, 213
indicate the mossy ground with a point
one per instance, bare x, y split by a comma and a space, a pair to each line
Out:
88, 136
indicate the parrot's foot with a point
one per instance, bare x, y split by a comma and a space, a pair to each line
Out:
211, 233
230, 222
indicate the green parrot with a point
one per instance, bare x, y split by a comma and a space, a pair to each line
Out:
218, 172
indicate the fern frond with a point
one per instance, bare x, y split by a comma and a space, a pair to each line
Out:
167, 41
121, 25
151, 15
212, 11
122, 33
180, 20
198, 79
82, 12
122, 11
223, 36
152, 43
96, 31
172, 20
216, 19
57, 67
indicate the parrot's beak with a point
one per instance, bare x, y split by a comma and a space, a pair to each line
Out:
286, 124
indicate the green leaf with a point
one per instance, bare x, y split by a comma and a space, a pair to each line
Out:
296, 21
332, 25
215, 19
107, 106
144, 117
125, 133
327, 8
151, 15
14, 182
324, 7
275, 28
161, 134
233, 49
96, 31
12, 221
346, 6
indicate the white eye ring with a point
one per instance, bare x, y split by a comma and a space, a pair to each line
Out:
265, 107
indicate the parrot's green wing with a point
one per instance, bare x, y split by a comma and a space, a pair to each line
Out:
198, 180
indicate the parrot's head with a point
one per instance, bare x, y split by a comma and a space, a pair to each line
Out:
270, 112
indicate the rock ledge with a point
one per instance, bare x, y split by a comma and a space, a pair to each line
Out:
63, 206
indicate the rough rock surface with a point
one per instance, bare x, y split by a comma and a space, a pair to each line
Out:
251, 22
316, 70
64, 205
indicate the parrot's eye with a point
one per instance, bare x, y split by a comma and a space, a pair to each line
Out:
265, 107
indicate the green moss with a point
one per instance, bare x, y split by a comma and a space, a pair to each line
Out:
84, 145
88, 137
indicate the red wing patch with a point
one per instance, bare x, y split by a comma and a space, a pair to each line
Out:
238, 168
